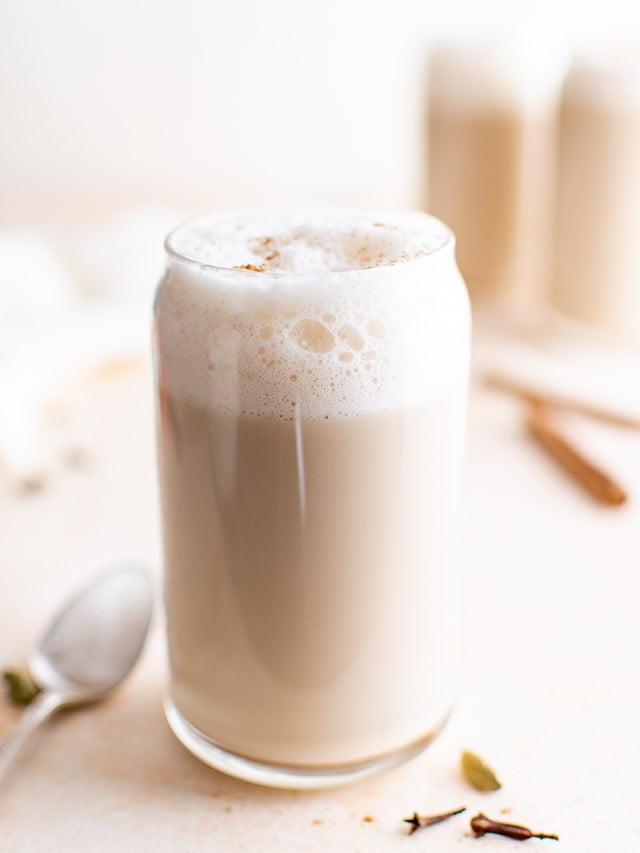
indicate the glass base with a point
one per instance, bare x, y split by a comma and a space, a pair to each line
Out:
283, 776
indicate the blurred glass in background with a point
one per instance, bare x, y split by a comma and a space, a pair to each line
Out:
597, 261
492, 135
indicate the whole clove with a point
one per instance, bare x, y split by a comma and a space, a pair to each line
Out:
420, 821
482, 825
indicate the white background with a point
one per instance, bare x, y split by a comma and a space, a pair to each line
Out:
190, 105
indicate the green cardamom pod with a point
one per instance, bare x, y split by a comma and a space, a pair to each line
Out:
20, 686
478, 773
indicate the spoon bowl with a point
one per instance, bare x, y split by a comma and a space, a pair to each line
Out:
95, 640
90, 647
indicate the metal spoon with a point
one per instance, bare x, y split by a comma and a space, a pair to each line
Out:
90, 647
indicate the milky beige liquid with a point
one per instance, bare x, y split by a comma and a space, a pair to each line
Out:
316, 606
310, 553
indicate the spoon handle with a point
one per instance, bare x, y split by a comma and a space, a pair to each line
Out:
45, 704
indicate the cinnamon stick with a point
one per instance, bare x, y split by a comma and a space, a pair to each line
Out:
597, 482
561, 401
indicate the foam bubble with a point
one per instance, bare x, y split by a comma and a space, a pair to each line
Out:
373, 316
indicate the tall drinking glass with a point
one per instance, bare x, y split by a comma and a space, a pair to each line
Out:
311, 396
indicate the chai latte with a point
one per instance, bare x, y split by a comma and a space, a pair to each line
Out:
312, 376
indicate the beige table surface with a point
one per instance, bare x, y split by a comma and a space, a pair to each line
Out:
549, 693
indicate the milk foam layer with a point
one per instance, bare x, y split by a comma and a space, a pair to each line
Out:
323, 331
301, 242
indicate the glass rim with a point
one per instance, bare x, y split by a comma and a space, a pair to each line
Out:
332, 212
